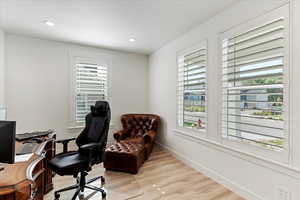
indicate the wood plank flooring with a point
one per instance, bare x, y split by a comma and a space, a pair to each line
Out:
162, 177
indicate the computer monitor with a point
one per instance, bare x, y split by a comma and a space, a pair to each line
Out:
7, 138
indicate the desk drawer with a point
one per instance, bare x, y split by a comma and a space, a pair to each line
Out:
37, 176
21, 192
37, 192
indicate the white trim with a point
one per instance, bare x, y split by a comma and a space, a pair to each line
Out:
285, 169
291, 79
283, 3
81, 127
193, 132
76, 127
213, 175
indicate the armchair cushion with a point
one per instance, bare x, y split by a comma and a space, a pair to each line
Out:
138, 139
121, 135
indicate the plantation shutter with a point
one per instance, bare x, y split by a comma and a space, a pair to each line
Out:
253, 85
191, 91
91, 86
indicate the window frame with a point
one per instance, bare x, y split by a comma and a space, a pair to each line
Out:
283, 155
74, 61
191, 131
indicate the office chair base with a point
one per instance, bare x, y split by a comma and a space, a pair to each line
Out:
81, 185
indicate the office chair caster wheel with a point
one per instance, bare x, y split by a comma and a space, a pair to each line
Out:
56, 196
81, 195
103, 195
102, 181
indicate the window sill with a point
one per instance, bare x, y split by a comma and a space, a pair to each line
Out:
283, 168
75, 127
81, 127
196, 134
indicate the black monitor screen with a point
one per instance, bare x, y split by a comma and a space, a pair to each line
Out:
7, 140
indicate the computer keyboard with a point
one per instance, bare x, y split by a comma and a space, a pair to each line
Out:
27, 136
26, 148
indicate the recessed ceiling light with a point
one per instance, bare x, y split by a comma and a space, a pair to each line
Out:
132, 40
49, 23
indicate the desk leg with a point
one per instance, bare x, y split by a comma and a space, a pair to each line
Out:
50, 153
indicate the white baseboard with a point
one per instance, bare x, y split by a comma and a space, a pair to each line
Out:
240, 190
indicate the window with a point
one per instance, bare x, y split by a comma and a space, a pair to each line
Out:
91, 86
255, 72
191, 91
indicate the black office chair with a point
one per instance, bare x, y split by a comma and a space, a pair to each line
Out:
91, 146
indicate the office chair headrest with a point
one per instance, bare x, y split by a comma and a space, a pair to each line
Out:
101, 108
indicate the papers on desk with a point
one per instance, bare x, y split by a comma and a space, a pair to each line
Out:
23, 158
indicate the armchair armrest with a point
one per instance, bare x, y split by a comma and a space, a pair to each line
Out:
149, 137
120, 135
65, 143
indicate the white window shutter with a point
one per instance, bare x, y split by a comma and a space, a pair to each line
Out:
191, 88
253, 85
91, 86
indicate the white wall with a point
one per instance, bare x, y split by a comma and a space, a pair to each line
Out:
2, 44
251, 176
38, 82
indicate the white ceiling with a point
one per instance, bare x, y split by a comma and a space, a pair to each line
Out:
108, 23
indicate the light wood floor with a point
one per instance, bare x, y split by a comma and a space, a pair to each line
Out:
162, 177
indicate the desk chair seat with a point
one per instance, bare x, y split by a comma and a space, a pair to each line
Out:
69, 163
91, 146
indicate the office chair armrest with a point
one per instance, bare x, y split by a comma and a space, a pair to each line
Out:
89, 149
65, 143
121, 135
89, 146
149, 137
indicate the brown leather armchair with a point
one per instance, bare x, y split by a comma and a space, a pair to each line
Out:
134, 143
139, 128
